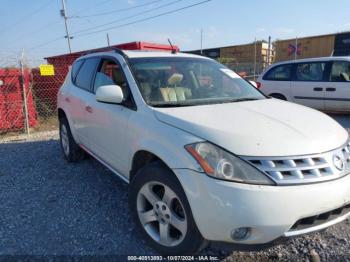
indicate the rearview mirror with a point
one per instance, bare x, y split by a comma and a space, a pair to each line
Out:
109, 94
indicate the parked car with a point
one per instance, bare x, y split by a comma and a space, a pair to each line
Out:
207, 156
320, 83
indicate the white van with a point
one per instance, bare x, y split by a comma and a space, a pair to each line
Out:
321, 83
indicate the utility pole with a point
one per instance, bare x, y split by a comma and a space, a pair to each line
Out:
64, 15
296, 49
269, 52
201, 41
255, 59
108, 43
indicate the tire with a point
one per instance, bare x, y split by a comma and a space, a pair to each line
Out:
278, 96
166, 205
71, 150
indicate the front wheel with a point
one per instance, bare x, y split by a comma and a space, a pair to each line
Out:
162, 213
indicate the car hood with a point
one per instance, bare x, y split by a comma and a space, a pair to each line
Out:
267, 127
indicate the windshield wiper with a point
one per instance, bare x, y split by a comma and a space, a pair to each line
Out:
171, 104
242, 99
204, 102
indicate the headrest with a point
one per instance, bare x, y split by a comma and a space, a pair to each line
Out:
345, 76
175, 79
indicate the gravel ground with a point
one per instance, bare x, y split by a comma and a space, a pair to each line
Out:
49, 207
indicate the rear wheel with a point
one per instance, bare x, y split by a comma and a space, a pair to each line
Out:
162, 213
71, 150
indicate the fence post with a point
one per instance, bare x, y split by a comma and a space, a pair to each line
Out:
255, 53
25, 111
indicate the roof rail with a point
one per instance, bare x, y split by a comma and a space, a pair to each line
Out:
115, 49
88, 52
119, 51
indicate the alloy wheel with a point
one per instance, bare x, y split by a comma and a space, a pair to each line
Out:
161, 214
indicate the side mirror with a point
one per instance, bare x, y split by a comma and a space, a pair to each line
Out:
109, 94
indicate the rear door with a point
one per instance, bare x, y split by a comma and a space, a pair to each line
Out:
337, 95
80, 94
309, 84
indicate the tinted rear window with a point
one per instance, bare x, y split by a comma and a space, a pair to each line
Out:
75, 68
86, 73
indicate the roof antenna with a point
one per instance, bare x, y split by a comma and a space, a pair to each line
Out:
173, 50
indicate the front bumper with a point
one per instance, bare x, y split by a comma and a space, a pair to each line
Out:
219, 207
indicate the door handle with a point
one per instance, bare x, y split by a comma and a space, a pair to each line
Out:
67, 99
88, 109
318, 89
331, 89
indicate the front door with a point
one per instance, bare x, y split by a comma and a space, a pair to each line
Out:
108, 123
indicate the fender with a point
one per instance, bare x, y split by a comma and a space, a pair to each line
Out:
71, 126
174, 158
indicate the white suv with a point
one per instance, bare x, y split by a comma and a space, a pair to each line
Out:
207, 156
321, 83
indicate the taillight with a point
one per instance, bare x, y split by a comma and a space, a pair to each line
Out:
258, 85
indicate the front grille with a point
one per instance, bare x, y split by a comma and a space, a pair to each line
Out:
320, 219
304, 169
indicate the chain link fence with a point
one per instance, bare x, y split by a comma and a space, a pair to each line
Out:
17, 109
45, 89
28, 99
248, 70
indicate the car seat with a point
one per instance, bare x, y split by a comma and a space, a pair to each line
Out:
173, 92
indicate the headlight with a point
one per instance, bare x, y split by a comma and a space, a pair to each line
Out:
220, 164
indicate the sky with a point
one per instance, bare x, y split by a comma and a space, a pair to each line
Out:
37, 27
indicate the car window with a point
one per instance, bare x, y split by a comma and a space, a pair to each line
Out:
86, 73
75, 68
310, 71
279, 73
207, 77
340, 71
110, 73
189, 81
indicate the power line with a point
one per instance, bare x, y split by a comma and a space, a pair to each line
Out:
146, 19
126, 24
65, 18
46, 43
31, 33
54, 22
119, 10
74, 13
29, 15
126, 18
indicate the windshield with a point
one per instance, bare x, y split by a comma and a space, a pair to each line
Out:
182, 81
